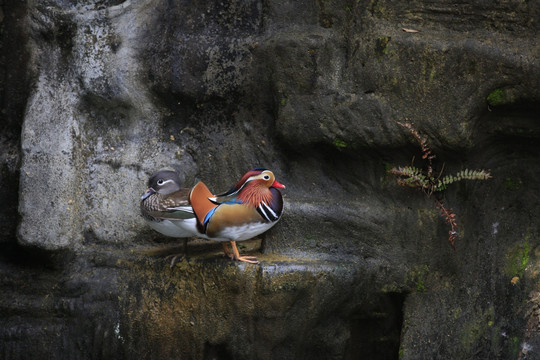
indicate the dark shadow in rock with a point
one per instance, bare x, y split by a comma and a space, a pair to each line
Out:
34, 258
376, 330
216, 352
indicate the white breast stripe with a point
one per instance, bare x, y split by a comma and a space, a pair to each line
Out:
272, 211
263, 212
269, 214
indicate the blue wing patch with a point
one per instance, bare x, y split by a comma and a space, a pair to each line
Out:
209, 215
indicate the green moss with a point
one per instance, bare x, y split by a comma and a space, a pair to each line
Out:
524, 258
420, 286
495, 97
500, 97
476, 329
431, 75
512, 184
381, 45
418, 277
518, 258
392, 287
339, 143
387, 175
514, 347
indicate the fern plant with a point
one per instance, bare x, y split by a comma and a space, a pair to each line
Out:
423, 179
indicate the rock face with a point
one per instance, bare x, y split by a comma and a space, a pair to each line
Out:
97, 96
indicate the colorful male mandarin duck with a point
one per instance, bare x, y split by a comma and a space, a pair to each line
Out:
250, 208
163, 194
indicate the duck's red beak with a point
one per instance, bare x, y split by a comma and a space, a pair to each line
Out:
278, 185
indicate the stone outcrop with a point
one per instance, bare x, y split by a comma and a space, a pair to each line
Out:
97, 96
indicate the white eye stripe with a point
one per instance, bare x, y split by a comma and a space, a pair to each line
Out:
266, 176
161, 182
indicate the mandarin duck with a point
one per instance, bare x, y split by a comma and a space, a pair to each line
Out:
248, 209
164, 192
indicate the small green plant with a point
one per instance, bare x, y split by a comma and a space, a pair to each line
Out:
417, 277
496, 97
518, 258
502, 97
381, 45
420, 286
512, 184
339, 143
424, 179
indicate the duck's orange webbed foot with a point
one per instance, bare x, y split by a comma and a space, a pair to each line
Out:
236, 255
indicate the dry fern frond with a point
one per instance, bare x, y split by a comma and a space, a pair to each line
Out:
450, 218
427, 154
424, 180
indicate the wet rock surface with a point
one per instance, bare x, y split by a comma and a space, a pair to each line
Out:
97, 96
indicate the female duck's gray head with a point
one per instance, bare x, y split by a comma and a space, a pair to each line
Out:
163, 182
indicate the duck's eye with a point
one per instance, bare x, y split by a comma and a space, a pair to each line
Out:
266, 177
160, 182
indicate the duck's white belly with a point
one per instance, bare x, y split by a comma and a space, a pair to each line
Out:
171, 228
188, 228
243, 232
